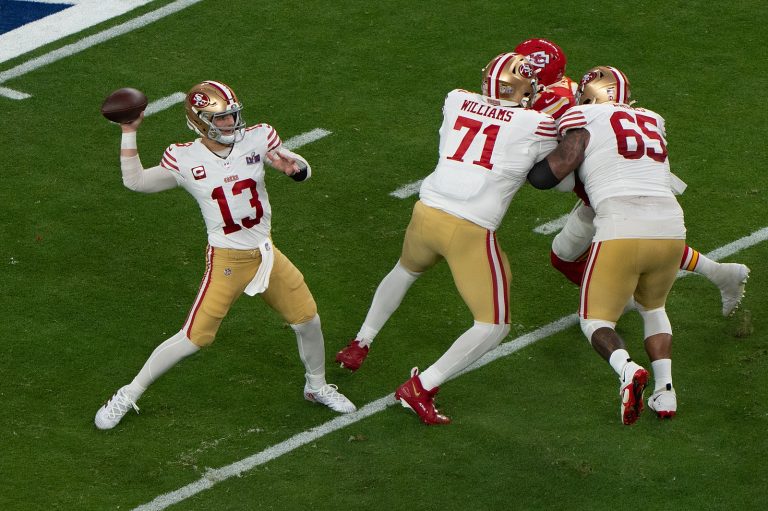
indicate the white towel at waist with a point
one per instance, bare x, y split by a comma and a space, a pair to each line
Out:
260, 281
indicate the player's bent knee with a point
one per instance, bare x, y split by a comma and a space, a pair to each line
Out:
655, 321
202, 340
589, 326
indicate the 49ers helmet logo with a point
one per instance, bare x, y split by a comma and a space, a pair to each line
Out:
199, 99
587, 78
526, 70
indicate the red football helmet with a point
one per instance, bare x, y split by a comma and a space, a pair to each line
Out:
547, 57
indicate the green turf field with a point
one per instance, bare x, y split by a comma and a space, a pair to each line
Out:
94, 276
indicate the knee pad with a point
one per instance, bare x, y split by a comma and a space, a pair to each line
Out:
655, 321
588, 327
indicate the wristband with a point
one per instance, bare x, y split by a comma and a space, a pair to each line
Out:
128, 141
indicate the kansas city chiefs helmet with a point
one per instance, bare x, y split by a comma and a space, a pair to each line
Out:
603, 84
510, 77
209, 100
548, 58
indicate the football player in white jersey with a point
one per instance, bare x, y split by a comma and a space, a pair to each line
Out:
488, 143
224, 171
621, 156
571, 245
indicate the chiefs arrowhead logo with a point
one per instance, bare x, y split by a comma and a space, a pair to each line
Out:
199, 99
538, 58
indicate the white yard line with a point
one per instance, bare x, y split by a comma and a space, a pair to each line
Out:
407, 190
552, 227
215, 476
86, 43
164, 103
305, 138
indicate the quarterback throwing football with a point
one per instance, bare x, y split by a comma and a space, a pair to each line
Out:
224, 171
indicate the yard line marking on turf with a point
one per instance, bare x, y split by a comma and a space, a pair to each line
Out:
13, 94
305, 138
164, 103
407, 190
215, 476
552, 227
93, 40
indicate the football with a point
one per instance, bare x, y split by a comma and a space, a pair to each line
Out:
124, 105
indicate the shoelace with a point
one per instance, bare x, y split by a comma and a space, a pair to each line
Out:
119, 405
331, 391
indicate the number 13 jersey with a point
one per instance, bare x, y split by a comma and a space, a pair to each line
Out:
229, 190
486, 150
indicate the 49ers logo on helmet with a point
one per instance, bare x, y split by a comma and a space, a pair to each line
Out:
526, 70
199, 99
586, 79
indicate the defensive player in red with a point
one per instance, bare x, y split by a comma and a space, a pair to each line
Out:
224, 171
571, 245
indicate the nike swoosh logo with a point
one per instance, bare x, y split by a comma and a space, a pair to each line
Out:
415, 392
549, 100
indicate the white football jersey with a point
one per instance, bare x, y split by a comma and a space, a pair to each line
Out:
625, 163
486, 151
230, 191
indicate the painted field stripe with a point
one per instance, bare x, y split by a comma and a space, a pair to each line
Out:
305, 138
13, 94
164, 103
95, 39
214, 476
407, 190
551, 227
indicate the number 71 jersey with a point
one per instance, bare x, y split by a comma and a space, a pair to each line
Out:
230, 191
486, 150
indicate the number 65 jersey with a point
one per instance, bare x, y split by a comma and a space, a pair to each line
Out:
626, 171
229, 190
486, 151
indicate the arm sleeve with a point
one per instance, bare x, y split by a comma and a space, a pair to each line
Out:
139, 179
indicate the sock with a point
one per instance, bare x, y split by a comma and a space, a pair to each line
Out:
166, 355
619, 358
470, 346
694, 261
662, 373
309, 337
386, 300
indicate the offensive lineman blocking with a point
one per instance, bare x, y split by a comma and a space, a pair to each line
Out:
224, 171
621, 156
488, 143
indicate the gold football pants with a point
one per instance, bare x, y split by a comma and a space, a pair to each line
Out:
227, 273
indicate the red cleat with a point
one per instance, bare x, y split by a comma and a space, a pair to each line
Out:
352, 355
412, 394
633, 383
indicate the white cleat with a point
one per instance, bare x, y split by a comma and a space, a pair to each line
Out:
115, 409
329, 396
664, 402
731, 278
